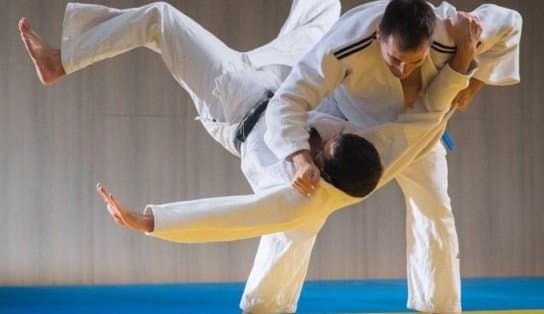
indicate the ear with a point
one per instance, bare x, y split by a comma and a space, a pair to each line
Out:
378, 32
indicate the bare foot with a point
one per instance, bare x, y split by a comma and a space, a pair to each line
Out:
47, 60
123, 216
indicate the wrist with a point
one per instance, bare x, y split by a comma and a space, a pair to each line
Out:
461, 61
475, 85
149, 221
466, 50
301, 157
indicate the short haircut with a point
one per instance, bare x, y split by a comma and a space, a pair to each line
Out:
411, 21
354, 166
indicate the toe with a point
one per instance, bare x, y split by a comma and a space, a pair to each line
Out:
23, 24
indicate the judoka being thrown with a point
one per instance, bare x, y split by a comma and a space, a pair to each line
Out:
230, 90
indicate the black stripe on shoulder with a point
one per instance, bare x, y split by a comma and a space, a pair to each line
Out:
447, 49
443, 50
362, 41
443, 47
357, 46
354, 50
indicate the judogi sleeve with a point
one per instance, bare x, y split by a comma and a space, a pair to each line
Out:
313, 78
318, 73
400, 142
445, 86
241, 217
498, 51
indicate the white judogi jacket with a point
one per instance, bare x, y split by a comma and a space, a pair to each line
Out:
276, 206
347, 66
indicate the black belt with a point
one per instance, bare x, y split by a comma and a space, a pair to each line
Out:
250, 119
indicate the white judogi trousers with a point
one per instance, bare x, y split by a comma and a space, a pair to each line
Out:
432, 246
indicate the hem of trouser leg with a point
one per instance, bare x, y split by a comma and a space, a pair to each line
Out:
433, 308
66, 52
257, 307
258, 310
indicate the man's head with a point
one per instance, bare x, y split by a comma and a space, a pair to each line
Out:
404, 34
350, 163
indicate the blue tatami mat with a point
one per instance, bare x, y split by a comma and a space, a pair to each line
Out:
364, 296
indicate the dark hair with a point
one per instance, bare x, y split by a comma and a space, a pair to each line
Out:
354, 166
412, 21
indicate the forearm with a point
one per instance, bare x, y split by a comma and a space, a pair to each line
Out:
462, 60
232, 217
148, 220
475, 86
301, 158
443, 89
498, 49
245, 216
465, 30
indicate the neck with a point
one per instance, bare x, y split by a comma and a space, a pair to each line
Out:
415, 76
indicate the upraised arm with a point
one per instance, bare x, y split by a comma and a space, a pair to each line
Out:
465, 30
498, 55
498, 52
315, 76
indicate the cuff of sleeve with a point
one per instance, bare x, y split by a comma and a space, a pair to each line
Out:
158, 218
472, 69
492, 79
67, 49
459, 79
445, 86
498, 71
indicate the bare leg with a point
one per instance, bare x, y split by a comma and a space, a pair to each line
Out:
125, 217
47, 59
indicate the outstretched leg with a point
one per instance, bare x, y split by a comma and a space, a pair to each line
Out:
201, 63
194, 56
223, 83
46, 59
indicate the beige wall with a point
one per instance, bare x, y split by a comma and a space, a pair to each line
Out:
126, 123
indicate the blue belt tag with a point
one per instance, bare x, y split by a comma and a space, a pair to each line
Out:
448, 141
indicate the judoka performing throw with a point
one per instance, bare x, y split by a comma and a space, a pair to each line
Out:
230, 91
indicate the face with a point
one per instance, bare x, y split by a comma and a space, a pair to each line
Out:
401, 62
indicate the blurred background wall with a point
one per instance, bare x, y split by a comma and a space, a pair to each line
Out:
127, 124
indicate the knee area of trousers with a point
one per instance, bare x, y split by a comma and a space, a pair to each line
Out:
445, 214
159, 11
431, 207
161, 6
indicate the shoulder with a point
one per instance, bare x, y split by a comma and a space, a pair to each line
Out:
354, 47
355, 30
